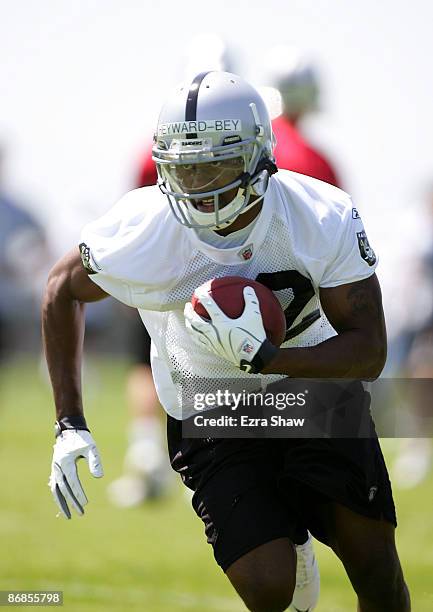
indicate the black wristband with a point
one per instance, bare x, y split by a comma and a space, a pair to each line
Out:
70, 422
264, 355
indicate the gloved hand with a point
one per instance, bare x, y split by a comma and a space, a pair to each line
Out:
242, 341
64, 482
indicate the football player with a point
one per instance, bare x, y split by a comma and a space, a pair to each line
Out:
224, 210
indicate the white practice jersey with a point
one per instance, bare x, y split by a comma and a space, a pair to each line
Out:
308, 235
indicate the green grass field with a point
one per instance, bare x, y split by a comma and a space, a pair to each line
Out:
155, 558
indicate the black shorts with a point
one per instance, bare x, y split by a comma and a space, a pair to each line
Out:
251, 491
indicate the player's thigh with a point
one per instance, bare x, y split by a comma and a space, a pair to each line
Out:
251, 531
366, 547
265, 576
241, 509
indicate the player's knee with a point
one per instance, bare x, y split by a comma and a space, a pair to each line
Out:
267, 594
391, 595
381, 583
265, 577
392, 598
270, 598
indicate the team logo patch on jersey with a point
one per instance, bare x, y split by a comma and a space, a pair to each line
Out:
355, 214
86, 258
246, 252
365, 249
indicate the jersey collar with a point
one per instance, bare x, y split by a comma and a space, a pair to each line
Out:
243, 253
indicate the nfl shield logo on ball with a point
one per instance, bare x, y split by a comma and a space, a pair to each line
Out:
246, 253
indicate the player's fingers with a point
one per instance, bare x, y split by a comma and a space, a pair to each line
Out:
195, 333
95, 463
58, 497
188, 311
67, 491
202, 332
198, 338
202, 335
251, 299
61, 502
209, 303
70, 474
193, 320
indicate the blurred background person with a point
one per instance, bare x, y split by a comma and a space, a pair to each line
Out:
415, 454
413, 462
295, 78
24, 260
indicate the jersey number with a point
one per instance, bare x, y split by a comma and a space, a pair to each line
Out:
303, 291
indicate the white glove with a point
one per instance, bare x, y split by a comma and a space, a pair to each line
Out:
242, 341
71, 445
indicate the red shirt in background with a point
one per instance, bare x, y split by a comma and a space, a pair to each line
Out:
292, 153
147, 174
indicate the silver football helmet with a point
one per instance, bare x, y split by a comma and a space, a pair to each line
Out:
213, 149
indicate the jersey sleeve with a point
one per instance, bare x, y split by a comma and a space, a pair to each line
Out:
120, 250
352, 258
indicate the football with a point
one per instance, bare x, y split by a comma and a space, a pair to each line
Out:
228, 294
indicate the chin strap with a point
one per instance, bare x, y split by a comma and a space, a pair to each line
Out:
250, 181
264, 164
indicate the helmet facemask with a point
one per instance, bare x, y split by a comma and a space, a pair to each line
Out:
196, 181
198, 173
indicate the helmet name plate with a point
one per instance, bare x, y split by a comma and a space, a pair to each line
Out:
188, 127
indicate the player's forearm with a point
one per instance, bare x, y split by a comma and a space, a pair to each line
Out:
63, 333
352, 354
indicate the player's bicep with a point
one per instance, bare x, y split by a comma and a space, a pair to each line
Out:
356, 306
70, 279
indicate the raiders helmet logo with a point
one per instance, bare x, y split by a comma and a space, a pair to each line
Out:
365, 249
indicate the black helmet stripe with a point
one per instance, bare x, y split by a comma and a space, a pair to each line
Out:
191, 100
